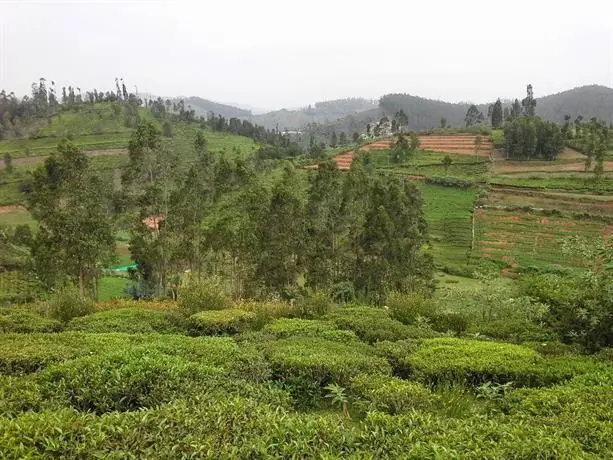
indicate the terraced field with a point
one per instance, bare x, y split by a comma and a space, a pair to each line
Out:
530, 238
458, 144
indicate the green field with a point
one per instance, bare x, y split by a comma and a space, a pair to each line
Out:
448, 212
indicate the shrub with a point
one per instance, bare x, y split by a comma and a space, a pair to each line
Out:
13, 320
451, 360
284, 328
21, 353
390, 394
370, 324
453, 321
267, 312
220, 322
19, 394
306, 365
121, 381
69, 303
130, 320
205, 294
314, 305
397, 354
406, 308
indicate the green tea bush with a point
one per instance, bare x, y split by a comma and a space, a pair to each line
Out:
314, 305
198, 295
389, 394
21, 353
19, 394
221, 322
267, 312
68, 304
130, 320
14, 320
406, 308
397, 354
305, 365
121, 381
285, 327
450, 321
451, 360
370, 324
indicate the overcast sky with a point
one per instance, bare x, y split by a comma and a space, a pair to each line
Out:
274, 54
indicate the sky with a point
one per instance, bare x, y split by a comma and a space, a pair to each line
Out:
272, 54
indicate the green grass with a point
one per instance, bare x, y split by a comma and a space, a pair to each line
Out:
17, 217
448, 212
112, 287
575, 182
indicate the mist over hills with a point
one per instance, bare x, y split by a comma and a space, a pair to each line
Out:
353, 114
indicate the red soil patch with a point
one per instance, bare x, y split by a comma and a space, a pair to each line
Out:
511, 218
11, 208
461, 144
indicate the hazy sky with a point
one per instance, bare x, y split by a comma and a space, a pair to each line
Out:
287, 53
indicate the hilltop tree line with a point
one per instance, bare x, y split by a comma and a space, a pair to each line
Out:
355, 233
46, 100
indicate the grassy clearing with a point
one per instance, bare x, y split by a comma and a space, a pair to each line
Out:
17, 216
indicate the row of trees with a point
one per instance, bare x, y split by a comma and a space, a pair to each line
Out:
217, 217
44, 101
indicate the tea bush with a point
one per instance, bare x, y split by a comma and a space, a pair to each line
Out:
267, 312
397, 354
305, 365
406, 308
314, 305
198, 295
14, 320
130, 320
284, 328
370, 324
121, 381
68, 304
450, 321
390, 394
220, 322
450, 360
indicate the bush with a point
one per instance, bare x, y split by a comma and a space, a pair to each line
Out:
389, 394
205, 294
306, 365
21, 353
284, 328
68, 304
13, 320
19, 394
451, 360
267, 312
446, 321
406, 308
370, 324
314, 305
130, 320
121, 381
220, 322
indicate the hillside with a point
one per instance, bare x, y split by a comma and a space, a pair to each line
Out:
322, 113
587, 101
204, 107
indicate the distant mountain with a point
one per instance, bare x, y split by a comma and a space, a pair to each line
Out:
587, 101
204, 107
328, 112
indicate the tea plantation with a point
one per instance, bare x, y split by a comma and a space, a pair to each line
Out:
273, 380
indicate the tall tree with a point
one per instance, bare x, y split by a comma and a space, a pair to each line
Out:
333, 140
529, 103
76, 237
497, 114
473, 116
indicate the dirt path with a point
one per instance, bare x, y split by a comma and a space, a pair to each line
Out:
90, 153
